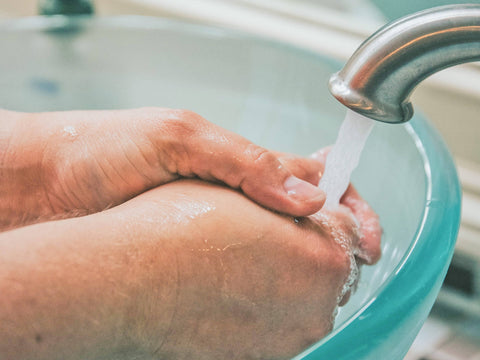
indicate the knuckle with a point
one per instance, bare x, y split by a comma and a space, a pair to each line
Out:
185, 131
185, 122
259, 156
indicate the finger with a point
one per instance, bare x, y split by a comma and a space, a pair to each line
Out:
213, 152
371, 231
304, 168
265, 179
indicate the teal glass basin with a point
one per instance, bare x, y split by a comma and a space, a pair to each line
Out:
275, 95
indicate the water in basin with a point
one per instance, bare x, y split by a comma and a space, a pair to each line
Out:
276, 96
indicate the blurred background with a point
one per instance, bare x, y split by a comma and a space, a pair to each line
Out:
450, 99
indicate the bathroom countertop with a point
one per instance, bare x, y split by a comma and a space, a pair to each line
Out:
447, 335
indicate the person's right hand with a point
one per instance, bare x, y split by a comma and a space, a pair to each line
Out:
64, 164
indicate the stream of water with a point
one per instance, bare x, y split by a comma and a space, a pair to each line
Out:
344, 156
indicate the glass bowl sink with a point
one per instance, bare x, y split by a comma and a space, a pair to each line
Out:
275, 95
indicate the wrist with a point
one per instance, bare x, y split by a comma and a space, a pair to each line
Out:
165, 275
8, 122
21, 171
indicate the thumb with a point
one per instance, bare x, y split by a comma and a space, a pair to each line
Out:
274, 184
216, 153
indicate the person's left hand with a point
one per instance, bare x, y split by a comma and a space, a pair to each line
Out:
64, 164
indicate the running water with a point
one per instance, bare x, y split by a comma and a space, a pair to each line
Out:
344, 157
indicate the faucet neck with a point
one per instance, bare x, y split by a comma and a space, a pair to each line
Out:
380, 76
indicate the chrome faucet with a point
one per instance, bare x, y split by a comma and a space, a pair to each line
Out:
382, 73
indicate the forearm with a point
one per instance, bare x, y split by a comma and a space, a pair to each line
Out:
72, 290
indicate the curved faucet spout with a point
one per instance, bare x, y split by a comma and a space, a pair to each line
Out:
380, 76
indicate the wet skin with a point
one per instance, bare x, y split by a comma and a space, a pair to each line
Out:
63, 164
186, 270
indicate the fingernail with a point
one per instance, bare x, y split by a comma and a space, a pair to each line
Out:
302, 190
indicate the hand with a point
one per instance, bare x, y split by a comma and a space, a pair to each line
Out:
186, 270
64, 164
250, 283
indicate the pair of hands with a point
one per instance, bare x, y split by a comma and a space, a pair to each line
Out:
186, 270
